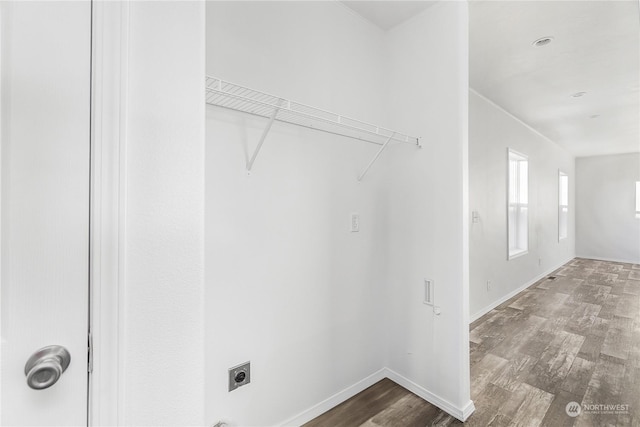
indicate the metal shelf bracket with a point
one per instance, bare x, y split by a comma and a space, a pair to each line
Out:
265, 132
364, 172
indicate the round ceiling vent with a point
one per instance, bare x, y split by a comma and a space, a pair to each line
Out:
578, 94
543, 41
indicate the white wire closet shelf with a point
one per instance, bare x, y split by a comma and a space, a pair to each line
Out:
240, 98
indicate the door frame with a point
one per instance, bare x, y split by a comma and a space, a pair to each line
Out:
110, 58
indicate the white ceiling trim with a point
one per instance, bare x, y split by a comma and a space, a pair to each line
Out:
517, 119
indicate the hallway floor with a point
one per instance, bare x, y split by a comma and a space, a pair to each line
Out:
571, 337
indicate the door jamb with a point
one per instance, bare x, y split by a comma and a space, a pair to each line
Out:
110, 37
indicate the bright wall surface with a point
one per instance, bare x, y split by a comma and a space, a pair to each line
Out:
289, 287
491, 132
606, 226
425, 199
162, 313
314, 307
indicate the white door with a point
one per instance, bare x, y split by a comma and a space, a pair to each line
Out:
45, 156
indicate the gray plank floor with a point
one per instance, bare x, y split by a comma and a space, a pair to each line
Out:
571, 338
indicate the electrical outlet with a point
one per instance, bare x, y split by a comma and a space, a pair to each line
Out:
355, 222
488, 285
239, 375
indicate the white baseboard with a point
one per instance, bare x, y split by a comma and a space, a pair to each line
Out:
467, 410
513, 293
307, 415
460, 413
596, 258
333, 401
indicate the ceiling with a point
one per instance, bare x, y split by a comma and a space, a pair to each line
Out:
387, 14
595, 49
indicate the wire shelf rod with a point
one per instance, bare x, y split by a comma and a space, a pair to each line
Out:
310, 127
402, 138
236, 97
224, 88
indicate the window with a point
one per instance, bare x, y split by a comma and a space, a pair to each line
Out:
637, 199
563, 205
518, 204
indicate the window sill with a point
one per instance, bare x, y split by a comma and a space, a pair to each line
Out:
517, 254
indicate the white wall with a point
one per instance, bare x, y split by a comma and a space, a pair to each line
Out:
606, 226
491, 132
316, 308
425, 204
288, 286
162, 311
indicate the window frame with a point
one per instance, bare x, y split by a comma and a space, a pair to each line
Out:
518, 205
638, 199
560, 205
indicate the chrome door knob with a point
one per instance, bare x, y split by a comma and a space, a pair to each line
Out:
45, 366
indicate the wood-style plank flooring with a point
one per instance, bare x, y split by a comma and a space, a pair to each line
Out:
571, 337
